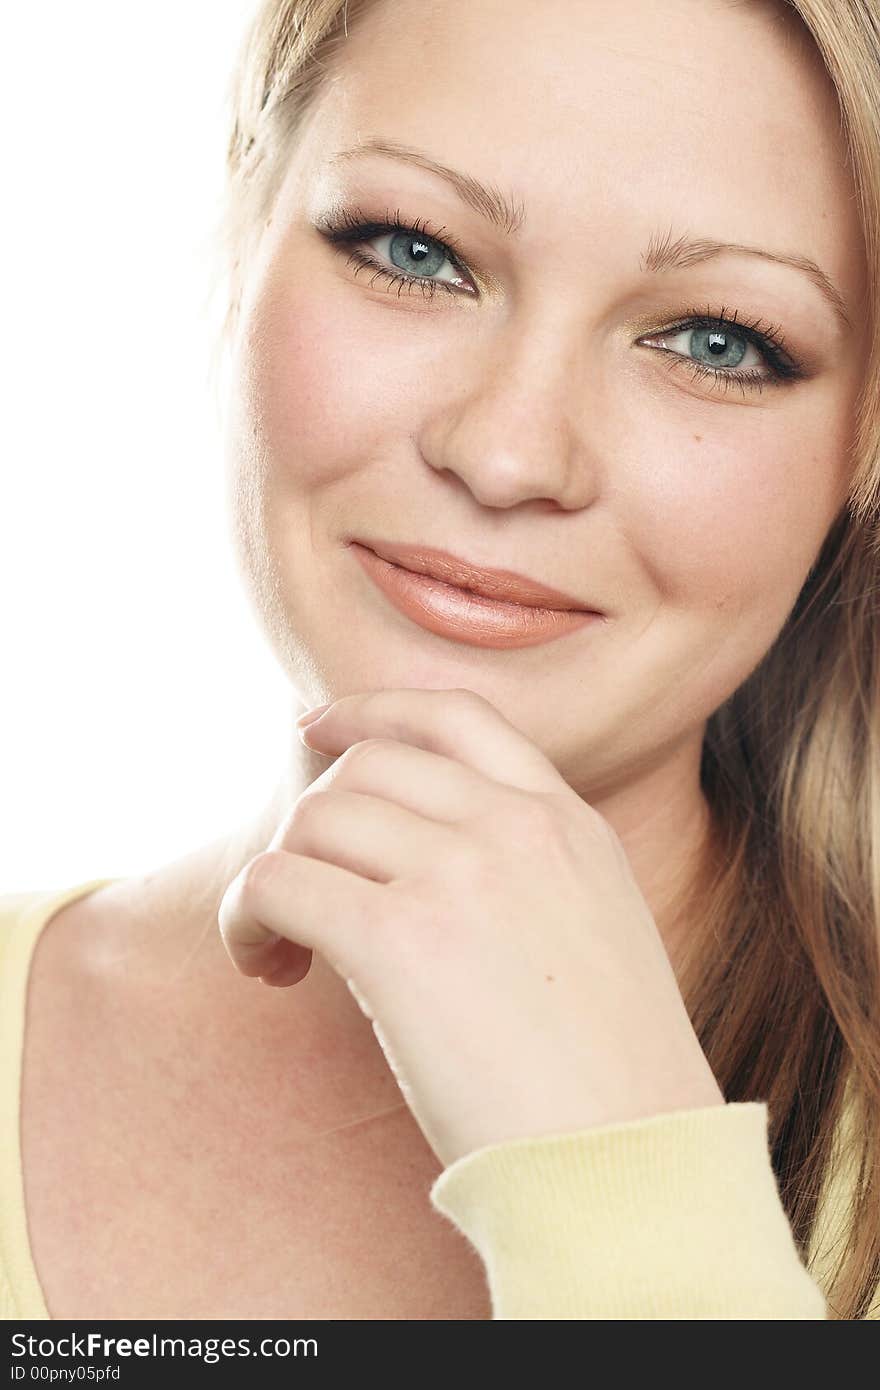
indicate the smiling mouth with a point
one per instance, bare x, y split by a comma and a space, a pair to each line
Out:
463, 615
503, 585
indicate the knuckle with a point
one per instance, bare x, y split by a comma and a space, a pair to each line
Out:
289, 829
289, 823
301, 814
468, 700
304, 818
537, 828
359, 753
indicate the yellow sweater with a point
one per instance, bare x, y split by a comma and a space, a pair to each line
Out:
677, 1216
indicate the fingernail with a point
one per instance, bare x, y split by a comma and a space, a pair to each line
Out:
312, 714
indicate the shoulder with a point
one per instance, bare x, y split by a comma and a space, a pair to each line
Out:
16, 906
37, 905
25, 915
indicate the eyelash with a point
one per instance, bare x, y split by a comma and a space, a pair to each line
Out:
349, 229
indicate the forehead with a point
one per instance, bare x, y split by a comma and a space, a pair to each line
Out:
714, 118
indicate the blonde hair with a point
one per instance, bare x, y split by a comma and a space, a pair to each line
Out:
782, 982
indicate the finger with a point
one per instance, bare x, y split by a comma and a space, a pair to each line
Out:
366, 835
258, 952
457, 723
286, 964
439, 788
305, 901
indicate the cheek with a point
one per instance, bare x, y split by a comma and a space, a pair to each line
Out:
323, 389
735, 516
298, 399
722, 520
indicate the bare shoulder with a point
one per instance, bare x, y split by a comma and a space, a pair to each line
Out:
73, 936
131, 930
136, 1106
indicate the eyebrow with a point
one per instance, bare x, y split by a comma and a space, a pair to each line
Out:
489, 202
667, 254
508, 213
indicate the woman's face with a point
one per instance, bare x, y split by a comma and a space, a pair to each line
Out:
546, 413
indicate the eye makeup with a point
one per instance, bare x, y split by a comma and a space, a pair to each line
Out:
349, 231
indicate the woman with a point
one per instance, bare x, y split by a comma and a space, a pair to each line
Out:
566, 907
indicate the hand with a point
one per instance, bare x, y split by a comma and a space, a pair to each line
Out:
484, 917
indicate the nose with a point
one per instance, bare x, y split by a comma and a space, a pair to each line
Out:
511, 426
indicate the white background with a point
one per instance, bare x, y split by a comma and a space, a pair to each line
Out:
141, 711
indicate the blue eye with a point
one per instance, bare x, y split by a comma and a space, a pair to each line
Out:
408, 246
718, 344
714, 346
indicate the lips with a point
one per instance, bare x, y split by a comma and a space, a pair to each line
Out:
464, 603
503, 585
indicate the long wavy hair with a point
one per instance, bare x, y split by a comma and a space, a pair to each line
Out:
782, 980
